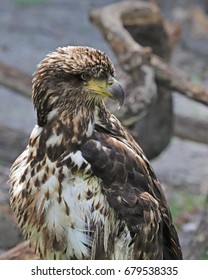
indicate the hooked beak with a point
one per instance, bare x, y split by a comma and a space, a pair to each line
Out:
110, 88
116, 91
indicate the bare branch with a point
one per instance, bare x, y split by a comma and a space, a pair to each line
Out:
15, 79
177, 80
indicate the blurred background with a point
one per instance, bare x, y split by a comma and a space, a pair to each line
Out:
29, 29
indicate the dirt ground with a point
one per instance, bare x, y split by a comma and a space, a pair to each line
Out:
29, 29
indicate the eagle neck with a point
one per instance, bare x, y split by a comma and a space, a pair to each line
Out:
79, 123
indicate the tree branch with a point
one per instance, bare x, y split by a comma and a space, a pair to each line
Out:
15, 79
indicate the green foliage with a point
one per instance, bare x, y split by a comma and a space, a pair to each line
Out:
205, 255
182, 203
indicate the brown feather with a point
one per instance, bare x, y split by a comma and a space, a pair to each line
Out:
83, 188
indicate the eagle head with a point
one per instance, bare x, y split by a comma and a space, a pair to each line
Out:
73, 76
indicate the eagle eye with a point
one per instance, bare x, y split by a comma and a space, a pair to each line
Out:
85, 76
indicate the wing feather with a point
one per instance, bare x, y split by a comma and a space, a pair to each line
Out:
134, 192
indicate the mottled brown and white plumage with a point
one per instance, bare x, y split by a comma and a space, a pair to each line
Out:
83, 188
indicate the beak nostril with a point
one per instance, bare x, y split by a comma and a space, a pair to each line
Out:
111, 80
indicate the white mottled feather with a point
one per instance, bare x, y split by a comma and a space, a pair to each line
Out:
54, 140
36, 131
73, 229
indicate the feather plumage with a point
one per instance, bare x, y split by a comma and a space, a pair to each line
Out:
83, 188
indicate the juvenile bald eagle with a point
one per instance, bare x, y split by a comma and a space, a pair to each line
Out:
83, 188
